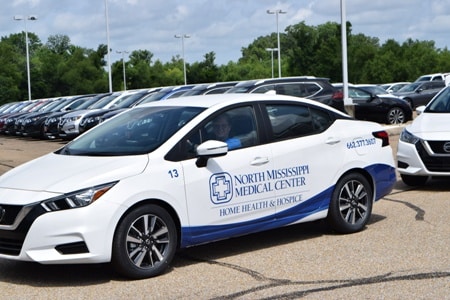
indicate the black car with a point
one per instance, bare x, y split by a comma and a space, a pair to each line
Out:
421, 92
33, 124
9, 121
373, 103
310, 87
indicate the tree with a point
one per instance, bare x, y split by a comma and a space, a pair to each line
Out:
18, 44
138, 69
204, 71
58, 43
10, 74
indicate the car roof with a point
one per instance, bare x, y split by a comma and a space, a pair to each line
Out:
279, 80
207, 101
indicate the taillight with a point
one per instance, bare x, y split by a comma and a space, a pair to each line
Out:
383, 135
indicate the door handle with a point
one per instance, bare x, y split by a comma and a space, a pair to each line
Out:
258, 161
332, 141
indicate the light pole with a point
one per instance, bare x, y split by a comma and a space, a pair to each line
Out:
123, 66
182, 37
271, 54
277, 12
348, 102
107, 45
31, 18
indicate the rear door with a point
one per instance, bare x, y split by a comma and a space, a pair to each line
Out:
306, 158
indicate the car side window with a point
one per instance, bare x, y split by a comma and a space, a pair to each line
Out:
298, 89
291, 89
236, 127
292, 121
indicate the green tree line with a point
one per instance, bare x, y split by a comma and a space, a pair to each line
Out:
59, 68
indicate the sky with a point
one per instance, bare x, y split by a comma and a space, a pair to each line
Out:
220, 26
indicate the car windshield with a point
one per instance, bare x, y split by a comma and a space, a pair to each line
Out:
409, 88
441, 103
137, 131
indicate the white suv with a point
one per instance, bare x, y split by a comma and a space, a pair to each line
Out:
433, 77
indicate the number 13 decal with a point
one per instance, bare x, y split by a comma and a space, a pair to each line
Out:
173, 173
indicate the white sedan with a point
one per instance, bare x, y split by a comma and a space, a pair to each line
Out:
424, 146
164, 176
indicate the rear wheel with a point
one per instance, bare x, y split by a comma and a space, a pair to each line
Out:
145, 242
414, 180
395, 115
351, 204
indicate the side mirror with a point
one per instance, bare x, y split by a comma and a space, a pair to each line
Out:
208, 149
420, 109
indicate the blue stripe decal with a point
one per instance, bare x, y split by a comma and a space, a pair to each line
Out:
202, 234
384, 178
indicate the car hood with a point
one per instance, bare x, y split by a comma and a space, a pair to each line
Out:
431, 126
55, 173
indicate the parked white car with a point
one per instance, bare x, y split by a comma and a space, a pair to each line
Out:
424, 146
191, 170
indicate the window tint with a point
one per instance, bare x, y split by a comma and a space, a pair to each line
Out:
291, 121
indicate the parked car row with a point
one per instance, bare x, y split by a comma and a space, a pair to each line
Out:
68, 117
421, 91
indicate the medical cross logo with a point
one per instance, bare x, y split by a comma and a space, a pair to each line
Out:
221, 188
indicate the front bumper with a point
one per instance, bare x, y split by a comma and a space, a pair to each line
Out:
80, 235
421, 160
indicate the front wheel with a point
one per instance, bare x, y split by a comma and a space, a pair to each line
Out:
395, 115
145, 242
351, 204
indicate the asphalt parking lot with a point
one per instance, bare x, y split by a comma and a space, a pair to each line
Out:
402, 254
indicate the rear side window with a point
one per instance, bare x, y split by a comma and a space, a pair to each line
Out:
292, 121
298, 89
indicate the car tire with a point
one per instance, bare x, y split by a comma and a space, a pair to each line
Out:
351, 204
412, 180
395, 115
145, 242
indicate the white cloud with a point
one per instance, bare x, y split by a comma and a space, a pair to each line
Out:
222, 26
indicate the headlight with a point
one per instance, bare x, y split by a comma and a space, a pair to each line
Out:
408, 137
77, 199
73, 119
